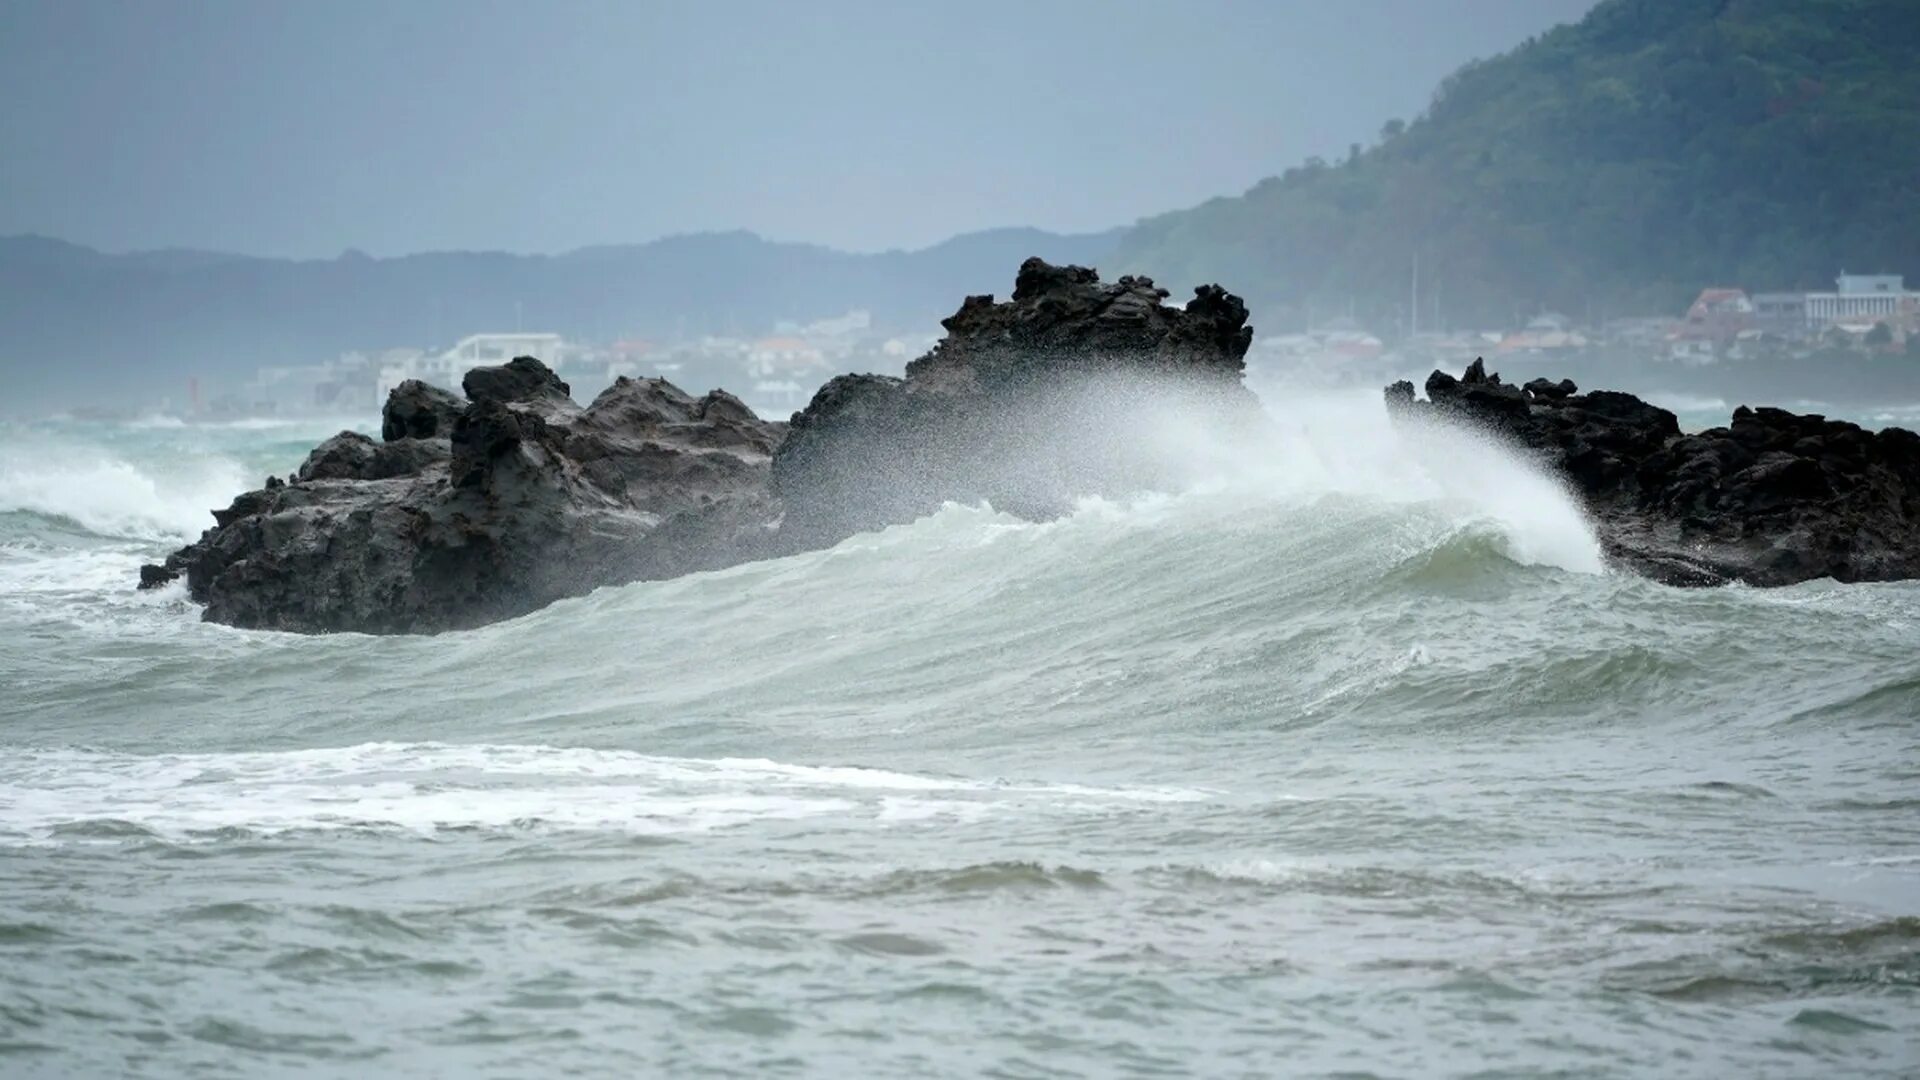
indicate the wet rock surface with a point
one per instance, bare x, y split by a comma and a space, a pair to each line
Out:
1026, 404
417, 410
525, 497
1773, 498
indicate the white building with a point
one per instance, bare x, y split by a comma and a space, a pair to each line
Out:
339, 386
476, 350
784, 356
1860, 296
1780, 312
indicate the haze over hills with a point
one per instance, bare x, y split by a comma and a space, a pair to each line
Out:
1616, 165
1613, 166
127, 328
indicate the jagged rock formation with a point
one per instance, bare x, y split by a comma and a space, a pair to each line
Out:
1026, 404
473, 511
1772, 499
416, 410
461, 517
352, 456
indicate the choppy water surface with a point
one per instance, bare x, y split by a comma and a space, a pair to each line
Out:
1351, 762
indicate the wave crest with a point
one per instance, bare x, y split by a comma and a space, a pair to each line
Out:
108, 495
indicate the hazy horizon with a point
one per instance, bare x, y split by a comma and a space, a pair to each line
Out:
663, 238
302, 130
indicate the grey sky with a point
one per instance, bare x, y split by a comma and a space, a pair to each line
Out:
294, 128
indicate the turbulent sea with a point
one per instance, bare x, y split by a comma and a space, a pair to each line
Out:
1352, 760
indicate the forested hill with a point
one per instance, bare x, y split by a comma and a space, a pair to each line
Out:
1613, 166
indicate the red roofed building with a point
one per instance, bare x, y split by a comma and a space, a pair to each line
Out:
1715, 319
1715, 305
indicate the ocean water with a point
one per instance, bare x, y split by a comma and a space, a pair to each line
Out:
1351, 760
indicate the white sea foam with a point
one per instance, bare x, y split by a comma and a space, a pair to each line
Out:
270, 423
1345, 444
108, 494
425, 787
1690, 403
164, 422
1320, 445
1263, 871
59, 576
157, 422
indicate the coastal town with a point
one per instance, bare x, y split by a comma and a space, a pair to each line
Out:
1864, 313
776, 373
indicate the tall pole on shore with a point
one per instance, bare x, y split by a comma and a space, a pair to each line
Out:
1415, 306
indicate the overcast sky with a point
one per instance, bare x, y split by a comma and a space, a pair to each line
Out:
284, 127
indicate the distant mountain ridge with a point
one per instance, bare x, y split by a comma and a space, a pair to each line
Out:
1616, 165
78, 324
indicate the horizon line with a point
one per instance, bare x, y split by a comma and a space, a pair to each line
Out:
352, 253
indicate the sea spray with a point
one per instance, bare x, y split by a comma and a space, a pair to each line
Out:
149, 480
110, 495
1343, 443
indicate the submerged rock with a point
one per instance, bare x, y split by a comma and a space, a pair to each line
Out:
476, 510
1774, 498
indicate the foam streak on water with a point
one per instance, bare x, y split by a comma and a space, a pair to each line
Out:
430, 788
1349, 759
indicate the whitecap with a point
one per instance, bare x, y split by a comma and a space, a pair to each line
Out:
427, 787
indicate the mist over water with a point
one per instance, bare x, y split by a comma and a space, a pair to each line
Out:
1349, 755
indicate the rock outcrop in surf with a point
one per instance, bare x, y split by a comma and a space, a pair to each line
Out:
1773, 498
468, 511
461, 517
1026, 404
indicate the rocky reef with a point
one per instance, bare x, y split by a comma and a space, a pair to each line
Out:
477, 510
1773, 498
469, 511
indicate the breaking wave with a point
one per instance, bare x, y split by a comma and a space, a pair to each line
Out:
111, 494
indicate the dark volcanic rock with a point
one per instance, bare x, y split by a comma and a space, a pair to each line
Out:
530, 499
352, 456
417, 410
1475, 395
1547, 388
520, 379
1025, 404
1772, 499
